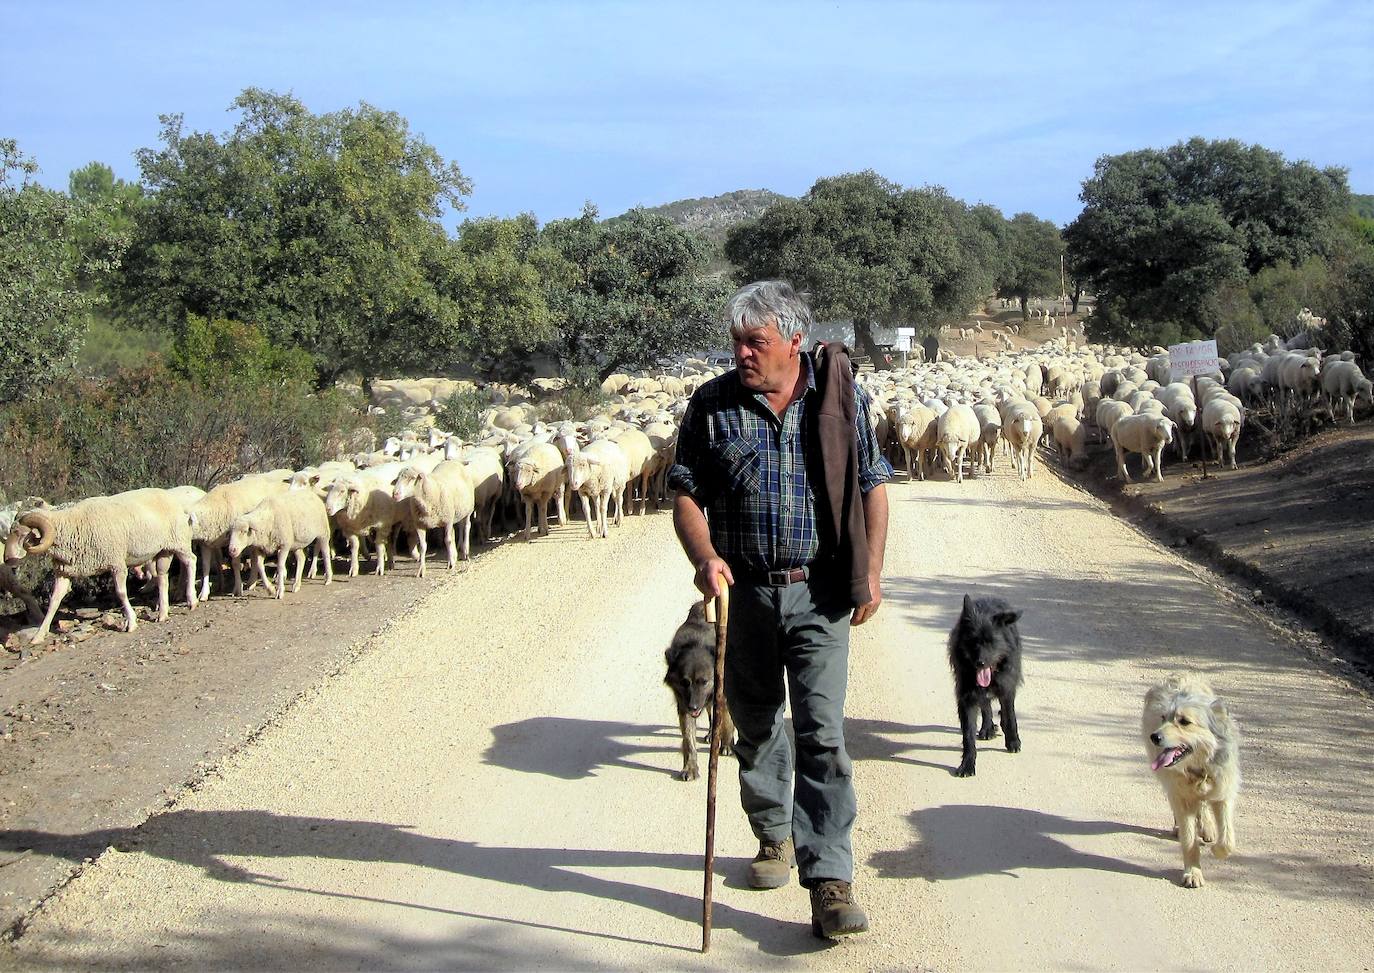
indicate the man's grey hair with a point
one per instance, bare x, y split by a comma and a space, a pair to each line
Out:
766, 302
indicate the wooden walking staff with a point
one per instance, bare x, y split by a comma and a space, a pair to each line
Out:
718, 611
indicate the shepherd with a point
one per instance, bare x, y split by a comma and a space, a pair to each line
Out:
780, 494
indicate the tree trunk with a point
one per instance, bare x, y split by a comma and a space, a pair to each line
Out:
326, 377
1077, 293
606, 371
1025, 313
863, 337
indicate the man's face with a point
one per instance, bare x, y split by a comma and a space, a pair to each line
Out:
766, 360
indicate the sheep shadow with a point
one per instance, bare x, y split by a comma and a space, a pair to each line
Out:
959, 841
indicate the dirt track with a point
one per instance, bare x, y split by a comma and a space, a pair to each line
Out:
489, 785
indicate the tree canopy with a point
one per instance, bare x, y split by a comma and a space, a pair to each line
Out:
319, 228
494, 275
45, 258
1031, 267
868, 249
1162, 232
624, 293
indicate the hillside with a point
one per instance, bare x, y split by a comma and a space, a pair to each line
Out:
711, 217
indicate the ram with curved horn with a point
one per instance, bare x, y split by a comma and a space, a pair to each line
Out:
107, 534
9, 582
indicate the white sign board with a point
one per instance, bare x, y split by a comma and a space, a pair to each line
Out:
903, 342
906, 332
1194, 358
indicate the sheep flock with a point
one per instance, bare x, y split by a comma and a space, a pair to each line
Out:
955, 416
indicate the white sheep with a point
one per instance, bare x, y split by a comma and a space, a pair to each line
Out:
917, 431
662, 433
1342, 383
1222, 420
990, 432
1143, 434
282, 524
443, 497
1124, 390
1184, 412
1070, 438
598, 474
1109, 412
957, 431
537, 474
488, 481
639, 454
361, 504
1022, 429
107, 534
211, 517
1299, 380
1246, 383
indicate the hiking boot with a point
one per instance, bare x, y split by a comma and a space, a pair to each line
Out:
834, 911
772, 866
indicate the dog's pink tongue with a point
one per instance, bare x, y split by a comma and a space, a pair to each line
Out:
985, 677
1163, 758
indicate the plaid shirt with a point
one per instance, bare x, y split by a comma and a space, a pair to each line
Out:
748, 469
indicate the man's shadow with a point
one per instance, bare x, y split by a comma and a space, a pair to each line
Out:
208, 839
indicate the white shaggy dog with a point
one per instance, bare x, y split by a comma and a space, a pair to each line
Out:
1194, 752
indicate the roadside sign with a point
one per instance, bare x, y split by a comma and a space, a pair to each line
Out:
903, 341
1194, 358
906, 333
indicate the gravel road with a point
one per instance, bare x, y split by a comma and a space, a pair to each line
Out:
490, 786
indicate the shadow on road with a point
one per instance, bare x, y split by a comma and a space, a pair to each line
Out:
963, 840
208, 839
889, 741
1165, 621
572, 749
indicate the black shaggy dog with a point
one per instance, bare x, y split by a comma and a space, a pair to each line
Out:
691, 659
985, 654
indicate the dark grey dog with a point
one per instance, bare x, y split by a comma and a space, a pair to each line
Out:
985, 654
691, 676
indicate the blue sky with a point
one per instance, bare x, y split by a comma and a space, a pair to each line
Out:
547, 105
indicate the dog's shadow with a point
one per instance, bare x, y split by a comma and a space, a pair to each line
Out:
573, 749
957, 841
893, 742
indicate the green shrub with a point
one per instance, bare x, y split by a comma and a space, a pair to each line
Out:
217, 351
581, 398
110, 346
154, 427
462, 413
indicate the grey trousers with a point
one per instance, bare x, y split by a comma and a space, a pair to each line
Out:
799, 633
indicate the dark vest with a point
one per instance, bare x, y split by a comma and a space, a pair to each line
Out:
839, 504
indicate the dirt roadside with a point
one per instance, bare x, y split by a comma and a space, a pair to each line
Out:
100, 734
1298, 529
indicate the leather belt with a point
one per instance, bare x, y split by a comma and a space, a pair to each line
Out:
779, 579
